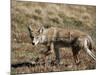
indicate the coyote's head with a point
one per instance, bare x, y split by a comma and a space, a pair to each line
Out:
37, 35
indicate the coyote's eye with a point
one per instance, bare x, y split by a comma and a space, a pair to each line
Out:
32, 37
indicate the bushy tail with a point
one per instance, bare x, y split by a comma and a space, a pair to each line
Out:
88, 45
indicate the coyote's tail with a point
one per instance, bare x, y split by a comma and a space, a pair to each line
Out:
88, 46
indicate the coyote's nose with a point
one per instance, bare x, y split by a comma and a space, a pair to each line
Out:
33, 43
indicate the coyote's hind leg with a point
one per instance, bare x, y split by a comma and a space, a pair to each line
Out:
75, 51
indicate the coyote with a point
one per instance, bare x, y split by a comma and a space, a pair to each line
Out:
56, 38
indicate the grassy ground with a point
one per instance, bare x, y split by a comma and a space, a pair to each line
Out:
23, 53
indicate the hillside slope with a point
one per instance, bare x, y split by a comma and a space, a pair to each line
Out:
37, 14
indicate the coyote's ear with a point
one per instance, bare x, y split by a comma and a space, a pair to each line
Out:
30, 28
41, 29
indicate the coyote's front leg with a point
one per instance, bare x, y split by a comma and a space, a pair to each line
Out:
50, 48
57, 54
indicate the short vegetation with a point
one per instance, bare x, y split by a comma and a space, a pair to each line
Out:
24, 54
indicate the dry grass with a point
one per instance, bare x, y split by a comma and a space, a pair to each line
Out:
23, 53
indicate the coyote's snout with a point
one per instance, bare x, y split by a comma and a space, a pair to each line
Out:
56, 38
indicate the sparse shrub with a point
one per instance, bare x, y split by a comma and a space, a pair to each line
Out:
38, 11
